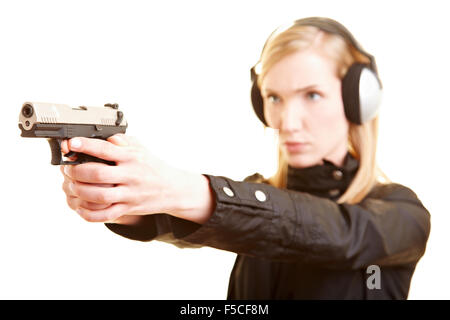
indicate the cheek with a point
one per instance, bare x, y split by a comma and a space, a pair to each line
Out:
271, 117
331, 124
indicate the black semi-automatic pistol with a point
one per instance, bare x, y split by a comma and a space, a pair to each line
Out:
58, 122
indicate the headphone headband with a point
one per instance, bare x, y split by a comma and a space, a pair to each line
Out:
334, 27
330, 26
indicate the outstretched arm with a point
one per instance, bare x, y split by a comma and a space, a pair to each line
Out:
140, 184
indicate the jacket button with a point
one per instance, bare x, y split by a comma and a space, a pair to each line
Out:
228, 191
260, 195
337, 175
334, 192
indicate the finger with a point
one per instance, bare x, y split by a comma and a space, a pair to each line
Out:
64, 146
68, 184
62, 168
118, 139
75, 203
93, 206
65, 149
90, 215
98, 194
65, 171
128, 219
95, 172
99, 148
106, 215
121, 139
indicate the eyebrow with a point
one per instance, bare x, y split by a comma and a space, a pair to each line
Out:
296, 90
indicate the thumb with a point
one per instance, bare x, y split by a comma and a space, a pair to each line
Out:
118, 140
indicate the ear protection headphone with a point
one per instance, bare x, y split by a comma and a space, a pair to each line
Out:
361, 86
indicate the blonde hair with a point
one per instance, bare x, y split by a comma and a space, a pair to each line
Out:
362, 139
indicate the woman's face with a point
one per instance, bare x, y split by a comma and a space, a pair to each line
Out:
303, 100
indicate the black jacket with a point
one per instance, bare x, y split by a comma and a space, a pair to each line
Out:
298, 243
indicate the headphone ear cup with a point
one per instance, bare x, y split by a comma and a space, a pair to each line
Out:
361, 93
257, 102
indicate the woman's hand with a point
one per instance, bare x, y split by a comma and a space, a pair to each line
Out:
139, 184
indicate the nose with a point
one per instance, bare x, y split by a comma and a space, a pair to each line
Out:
292, 117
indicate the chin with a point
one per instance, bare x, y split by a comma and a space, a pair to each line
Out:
303, 160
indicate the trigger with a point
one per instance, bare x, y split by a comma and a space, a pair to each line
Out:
70, 154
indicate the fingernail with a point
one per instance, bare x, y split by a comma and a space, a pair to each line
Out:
78, 211
71, 187
66, 170
75, 143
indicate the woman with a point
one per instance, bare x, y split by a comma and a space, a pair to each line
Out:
320, 226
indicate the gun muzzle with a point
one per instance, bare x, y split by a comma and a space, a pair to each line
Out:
27, 110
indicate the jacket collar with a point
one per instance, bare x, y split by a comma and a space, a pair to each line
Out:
326, 180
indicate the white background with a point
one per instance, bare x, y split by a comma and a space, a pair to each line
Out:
180, 72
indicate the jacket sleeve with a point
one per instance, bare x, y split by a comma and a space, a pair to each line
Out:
389, 227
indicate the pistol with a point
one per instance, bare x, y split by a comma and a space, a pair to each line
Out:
58, 122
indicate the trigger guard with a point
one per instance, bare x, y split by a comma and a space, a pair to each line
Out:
70, 154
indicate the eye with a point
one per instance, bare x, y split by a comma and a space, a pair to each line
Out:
313, 95
273, 99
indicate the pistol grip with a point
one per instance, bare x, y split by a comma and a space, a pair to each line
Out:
55, 147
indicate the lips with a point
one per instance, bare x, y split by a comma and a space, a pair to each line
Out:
295, 147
